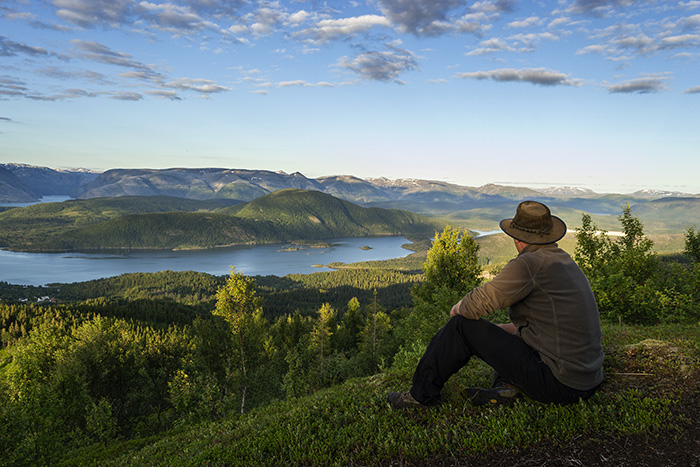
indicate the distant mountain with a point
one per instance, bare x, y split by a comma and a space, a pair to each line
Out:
14, 190
481, 206
243, 185
171, 223
656, 194
567, 191
46, 181
670, 214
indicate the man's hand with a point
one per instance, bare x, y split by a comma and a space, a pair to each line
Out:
455, 309
510, 327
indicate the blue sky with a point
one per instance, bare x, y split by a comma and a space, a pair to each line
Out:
603, 94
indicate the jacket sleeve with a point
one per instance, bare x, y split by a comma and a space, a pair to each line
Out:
511, 285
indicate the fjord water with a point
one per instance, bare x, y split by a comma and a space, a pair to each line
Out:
277, 259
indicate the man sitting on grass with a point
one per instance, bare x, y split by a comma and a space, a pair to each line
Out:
551, 351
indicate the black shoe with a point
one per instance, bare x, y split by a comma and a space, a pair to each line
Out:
402, 400
501, 395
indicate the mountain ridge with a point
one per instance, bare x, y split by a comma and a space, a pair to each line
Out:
247, 184
486, 204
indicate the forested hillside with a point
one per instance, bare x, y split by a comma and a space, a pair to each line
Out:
172, 223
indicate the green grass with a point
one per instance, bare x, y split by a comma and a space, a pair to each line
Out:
352, 424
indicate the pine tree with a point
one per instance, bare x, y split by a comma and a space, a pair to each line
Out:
323, 329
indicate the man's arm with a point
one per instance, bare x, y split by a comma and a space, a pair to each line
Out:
509, 327
455, 309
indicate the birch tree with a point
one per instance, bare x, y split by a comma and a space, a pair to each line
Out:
238, 304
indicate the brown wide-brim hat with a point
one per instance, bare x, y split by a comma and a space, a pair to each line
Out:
534, 224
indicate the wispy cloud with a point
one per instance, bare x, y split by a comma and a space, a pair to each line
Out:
645, 85
539, 76
10, 48
203, 86
172, 95
126, 96
93, 13
174, 19
101, 53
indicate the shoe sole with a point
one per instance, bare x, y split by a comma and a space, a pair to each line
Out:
480, 396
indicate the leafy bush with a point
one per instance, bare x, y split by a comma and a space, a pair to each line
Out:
630, 282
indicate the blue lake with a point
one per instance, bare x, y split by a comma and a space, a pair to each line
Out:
46, 268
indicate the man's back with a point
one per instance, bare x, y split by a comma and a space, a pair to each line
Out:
556, 314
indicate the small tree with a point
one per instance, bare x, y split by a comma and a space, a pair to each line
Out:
238, 304
451, 270
692, 244
592, 245
345, 339
323, 330
377, 326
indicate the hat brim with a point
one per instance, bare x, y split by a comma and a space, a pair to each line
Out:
555, 234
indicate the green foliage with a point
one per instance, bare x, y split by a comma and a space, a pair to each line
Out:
304, 292
451, 266
70, 385
374, 332
692, 244
629, 281
323, 330
351, 424
451, 270
238, 304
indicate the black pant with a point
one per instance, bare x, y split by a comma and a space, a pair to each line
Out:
512, 359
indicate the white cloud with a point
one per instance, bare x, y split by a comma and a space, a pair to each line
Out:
491, 46
686, 40
525, 23
286, 84
203, 86
331, 29
540, 76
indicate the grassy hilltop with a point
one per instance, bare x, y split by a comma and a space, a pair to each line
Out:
643, 416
